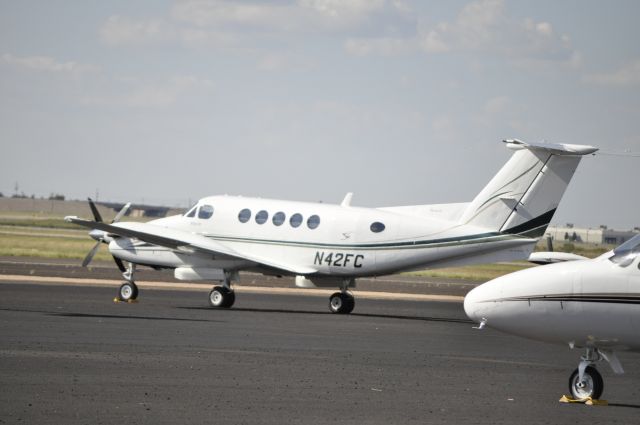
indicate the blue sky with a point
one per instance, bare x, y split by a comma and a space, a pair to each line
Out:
400, 102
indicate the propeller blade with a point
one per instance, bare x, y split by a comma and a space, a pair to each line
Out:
119, 264
121, 213
94, 210
91, 253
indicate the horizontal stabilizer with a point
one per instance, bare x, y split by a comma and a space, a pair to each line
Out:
554, 148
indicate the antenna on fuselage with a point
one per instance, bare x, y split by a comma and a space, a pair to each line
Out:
346, 202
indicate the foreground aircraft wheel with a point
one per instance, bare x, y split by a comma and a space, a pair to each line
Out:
341, 303
591, 385
128, 291
221, 297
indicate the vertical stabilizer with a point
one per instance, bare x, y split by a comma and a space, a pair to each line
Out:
523, 196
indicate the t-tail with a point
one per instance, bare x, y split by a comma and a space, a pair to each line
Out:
522, 198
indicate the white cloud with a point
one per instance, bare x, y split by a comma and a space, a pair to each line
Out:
153, 94
47, 64
627, 75
302, 15
383, 45
123, 30
484, 26
481, 26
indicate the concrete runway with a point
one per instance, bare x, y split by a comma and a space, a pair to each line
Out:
70, 355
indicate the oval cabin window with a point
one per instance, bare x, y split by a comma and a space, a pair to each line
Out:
244, 215
313, 221
262, 217
295, 220
278, 218
377, 227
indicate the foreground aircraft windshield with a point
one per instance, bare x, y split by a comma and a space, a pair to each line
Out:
627, 252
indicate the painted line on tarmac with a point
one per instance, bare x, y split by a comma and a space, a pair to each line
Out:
48, 280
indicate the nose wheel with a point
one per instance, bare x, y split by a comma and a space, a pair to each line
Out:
128, 291
591, 384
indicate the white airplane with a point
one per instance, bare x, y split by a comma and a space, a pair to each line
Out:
592, 304
332, 245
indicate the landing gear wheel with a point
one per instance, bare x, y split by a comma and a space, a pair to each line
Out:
221, 297
341, 303
128, 291
591, 385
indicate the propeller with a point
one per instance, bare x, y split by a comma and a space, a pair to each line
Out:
101, 236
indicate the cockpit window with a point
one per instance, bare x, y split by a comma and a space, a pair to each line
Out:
627, 252
205, 211
191, 212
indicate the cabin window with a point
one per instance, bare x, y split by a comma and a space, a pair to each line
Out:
278, 218
377, 227
295, 220
191, 212
244, 215
205, 211
262, 217
313, 222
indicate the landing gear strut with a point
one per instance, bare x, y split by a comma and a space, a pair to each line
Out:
222, 296
342, 302
128, 291
586, 381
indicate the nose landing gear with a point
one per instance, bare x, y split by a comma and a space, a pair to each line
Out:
586, 382
128, 291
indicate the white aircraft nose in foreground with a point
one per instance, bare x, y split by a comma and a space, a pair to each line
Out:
332, 245
591, 304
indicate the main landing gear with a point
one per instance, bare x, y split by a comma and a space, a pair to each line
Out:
342, 302
128, 291
222, 296
586, 382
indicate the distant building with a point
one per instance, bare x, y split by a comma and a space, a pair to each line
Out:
598, 236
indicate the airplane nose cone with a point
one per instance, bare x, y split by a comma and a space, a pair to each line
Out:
471, 305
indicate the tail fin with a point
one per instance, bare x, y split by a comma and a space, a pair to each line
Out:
523, 196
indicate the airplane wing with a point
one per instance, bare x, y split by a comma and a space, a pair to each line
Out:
184, 241
553, 257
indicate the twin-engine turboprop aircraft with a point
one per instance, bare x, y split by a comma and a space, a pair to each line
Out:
591, 304
332, 245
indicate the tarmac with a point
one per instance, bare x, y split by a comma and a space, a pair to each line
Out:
69, 354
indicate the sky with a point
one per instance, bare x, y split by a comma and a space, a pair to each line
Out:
401, 102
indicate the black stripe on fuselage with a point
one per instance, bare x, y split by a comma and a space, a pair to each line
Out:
586, 298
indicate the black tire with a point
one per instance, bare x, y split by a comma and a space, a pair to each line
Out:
128, 291
341, 303
221, 297
592, 385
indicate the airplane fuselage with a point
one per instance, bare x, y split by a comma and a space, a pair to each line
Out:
586, 303
332, 240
